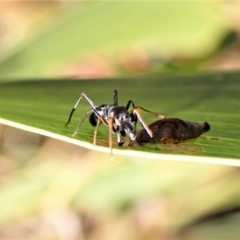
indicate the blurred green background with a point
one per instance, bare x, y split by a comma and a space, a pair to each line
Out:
54, 190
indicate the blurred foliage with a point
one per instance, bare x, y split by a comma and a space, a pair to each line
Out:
70, 193
140, 36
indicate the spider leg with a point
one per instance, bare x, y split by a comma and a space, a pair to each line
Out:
78, 101
110, 126
145, 126
119, 140
74, 108
96, 130
115, 97
146, 110
81, 121
135, 112
130, 102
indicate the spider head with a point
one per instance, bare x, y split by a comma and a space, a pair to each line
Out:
125, 122
121, 115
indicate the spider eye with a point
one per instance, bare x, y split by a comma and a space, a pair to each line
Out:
123, 117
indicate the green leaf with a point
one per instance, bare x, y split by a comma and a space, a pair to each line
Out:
205, 97
166, 28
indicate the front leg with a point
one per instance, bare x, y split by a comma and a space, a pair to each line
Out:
119, 140
144, 125
96, 130
110, 128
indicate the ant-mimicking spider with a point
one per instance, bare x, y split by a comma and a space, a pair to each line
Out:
119, 119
